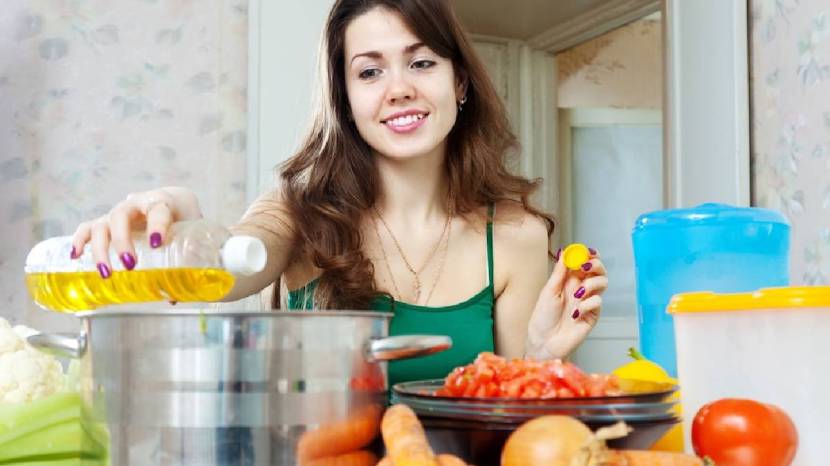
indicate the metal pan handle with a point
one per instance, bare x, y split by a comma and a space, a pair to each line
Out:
72, 345
406, 346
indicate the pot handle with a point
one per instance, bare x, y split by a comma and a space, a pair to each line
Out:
71, 345
406, 346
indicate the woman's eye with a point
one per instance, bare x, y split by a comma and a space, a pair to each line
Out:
369, 73
423, 64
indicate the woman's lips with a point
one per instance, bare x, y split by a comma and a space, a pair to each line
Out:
406, 124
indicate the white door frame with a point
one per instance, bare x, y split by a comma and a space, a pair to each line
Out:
706, 104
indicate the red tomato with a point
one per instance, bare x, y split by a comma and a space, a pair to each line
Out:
736, 432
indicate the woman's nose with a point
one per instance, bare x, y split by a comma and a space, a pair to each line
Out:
400, 89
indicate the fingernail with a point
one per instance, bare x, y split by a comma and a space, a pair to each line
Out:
575, 315
128, 260
104, 270
592, 251
155, 240
580, 292
586, 266
556, 256
73, 254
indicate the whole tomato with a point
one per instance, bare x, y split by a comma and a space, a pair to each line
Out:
738, 432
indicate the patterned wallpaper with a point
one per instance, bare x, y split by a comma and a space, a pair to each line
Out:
101, 98
622, 68
790, 98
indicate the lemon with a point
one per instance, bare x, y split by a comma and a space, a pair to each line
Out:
643, 369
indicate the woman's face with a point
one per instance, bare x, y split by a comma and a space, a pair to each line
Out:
403, 96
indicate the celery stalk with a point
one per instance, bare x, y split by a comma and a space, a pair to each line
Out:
21, 419
66, 438
50, 429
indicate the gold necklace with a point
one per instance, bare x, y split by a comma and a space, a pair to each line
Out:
440, 265
403, 256
386, 261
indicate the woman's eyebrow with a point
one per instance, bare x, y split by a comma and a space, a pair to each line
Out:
375, 54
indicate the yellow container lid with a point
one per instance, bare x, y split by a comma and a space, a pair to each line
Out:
574, 255
790, 297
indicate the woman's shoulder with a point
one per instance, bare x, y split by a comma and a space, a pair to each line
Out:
514, 222
519, 236
520, 239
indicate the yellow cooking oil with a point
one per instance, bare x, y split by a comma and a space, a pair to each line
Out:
82, 291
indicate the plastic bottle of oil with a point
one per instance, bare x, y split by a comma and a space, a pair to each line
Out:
197, 263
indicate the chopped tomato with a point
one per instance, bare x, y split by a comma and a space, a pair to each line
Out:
492, 376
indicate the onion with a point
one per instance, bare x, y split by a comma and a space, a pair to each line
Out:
558, 441
546, 440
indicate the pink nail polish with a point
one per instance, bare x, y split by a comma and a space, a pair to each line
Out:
128, 260
104, 270
586, 266
580, 292
556, 256
592, 251
73, 254
575, 315
155, 240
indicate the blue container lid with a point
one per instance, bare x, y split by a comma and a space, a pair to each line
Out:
707, 214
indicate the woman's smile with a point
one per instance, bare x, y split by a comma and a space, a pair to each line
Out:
406, 122
394, 79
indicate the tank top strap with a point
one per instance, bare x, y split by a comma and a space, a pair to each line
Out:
491, 210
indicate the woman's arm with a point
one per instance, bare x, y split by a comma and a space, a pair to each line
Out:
521, 253
154, 211
269, 220
537, 316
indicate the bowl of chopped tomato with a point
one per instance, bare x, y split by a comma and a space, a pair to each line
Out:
474, 408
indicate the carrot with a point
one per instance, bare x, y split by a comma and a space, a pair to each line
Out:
340, 437
450, 460
404, 437
651, 458
355, 458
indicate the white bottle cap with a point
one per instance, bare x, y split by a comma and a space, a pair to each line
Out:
244, 255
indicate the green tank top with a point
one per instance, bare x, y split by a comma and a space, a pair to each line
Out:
468, 323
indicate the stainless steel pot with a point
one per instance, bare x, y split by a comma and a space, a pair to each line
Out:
195, 387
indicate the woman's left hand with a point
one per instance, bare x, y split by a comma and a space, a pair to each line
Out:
567, 309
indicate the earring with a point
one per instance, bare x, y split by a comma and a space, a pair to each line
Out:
462, 102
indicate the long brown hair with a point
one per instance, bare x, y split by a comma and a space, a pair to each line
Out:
332, 181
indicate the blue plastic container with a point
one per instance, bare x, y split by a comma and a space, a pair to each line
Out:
712, 247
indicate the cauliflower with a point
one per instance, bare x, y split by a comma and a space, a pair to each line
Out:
26, 374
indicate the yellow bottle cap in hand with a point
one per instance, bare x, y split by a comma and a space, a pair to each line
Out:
574, 255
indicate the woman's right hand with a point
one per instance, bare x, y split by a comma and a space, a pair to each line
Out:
152, 210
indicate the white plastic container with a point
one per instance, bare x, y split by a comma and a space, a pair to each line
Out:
769, 346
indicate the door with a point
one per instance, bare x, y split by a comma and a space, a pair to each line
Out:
612, 171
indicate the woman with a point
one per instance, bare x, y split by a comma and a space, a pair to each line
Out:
399, 200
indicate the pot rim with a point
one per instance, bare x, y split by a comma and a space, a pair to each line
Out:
226, 313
